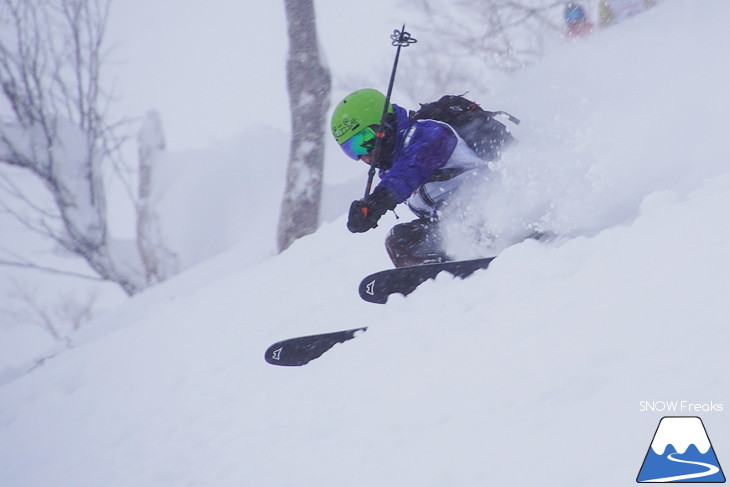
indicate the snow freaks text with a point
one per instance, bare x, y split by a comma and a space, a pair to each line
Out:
680, 407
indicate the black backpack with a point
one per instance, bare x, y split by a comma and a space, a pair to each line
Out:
480, 130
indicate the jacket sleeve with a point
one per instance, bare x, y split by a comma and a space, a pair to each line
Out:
427, 147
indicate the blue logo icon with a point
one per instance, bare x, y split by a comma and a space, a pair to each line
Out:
681, 452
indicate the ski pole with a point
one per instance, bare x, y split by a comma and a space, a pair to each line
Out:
399, 38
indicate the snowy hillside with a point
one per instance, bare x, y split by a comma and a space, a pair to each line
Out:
528, 373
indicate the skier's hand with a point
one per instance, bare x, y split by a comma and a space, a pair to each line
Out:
365, 213
358, 221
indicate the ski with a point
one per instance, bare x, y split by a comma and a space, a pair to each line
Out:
294, 352
376, 288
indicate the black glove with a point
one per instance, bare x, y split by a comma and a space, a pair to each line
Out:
365, 213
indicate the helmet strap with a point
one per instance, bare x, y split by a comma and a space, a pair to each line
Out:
387, 144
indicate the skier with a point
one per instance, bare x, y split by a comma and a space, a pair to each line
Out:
423, 162
576, 20
614, 11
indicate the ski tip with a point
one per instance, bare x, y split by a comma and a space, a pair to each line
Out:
295, 352
370, 292
377, 287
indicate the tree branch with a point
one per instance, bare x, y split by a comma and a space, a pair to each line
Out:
50, 270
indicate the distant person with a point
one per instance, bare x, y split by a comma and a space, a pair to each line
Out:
576, 21
614, 11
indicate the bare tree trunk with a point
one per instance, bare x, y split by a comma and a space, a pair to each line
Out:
158, 262
309, 89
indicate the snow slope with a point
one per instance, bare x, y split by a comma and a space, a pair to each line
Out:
529, 373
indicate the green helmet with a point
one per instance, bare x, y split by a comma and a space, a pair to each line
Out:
357, 111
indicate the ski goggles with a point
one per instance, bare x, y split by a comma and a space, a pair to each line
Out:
360, 144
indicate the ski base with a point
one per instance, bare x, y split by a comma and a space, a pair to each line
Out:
294, 352
376, 288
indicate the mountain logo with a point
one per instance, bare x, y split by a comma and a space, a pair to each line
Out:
370, 288
680, 452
